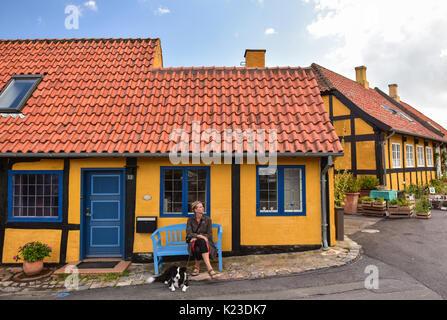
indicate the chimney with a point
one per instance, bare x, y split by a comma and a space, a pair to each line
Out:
360, 74
254, 58
393, 92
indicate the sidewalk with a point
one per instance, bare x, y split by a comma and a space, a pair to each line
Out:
240, 267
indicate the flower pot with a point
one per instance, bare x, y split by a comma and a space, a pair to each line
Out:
351, 203
32, 268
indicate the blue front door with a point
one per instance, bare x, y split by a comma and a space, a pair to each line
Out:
103, 213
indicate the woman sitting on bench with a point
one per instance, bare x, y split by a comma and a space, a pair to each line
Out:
199, 236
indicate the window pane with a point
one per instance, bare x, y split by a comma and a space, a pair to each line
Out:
197, 187
420, 155
409, 156
268, 189
292, 189
172, 200
15, 92
32, 195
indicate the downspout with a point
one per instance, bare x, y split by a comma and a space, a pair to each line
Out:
383, 156
324, 222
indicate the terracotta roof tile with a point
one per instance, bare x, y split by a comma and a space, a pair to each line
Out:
101, 95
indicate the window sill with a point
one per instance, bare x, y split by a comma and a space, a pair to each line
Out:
34, 220
280, 214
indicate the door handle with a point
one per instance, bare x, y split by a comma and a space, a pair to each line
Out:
88, 214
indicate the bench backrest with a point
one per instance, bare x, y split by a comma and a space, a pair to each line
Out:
176, 234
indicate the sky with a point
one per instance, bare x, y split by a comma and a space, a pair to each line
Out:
399, 41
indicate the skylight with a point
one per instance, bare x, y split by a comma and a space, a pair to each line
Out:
395, 112
17, 91
392, 111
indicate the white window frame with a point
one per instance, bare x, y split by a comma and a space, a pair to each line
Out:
429, 159
408, 157
419, 148
397, 161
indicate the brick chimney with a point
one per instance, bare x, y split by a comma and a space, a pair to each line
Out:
254, 58
393, 92
360, 75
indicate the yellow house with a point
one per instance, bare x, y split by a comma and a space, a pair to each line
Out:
93, 143
383, 136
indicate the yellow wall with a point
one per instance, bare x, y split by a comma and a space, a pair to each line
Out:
18, 237
15, 238
342, 127
361, 127
338, 108
303, 230
44, 164
148, 183
366, 155
420, 178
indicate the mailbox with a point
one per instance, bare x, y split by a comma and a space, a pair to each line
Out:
146, 224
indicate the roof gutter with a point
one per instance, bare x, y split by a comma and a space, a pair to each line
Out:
156, 155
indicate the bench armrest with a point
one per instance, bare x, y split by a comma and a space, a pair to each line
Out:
156, 239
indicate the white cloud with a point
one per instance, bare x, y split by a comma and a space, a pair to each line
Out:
91, 5
400, 41
270, 31
161, 11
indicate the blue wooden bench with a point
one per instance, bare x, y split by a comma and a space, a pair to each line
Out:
175, 245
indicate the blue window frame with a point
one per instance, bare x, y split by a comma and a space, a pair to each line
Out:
35, 196
180, 187
17, 91
281, 190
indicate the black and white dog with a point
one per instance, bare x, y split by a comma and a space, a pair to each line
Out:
174, 277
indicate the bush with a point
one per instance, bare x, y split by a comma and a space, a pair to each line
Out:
400, 202
380, 200
418, 191
366, 199
439, 186
423, 206
403, 203
368, 182
394, 202
344, 183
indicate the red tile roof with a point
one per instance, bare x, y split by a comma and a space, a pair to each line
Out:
429, 121
104, 96
371, 102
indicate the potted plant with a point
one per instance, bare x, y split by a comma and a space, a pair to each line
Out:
366, 201
423, 210
393, 205
351, 194
339, 198
379, 203
33, 254
367, 183
405, 206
